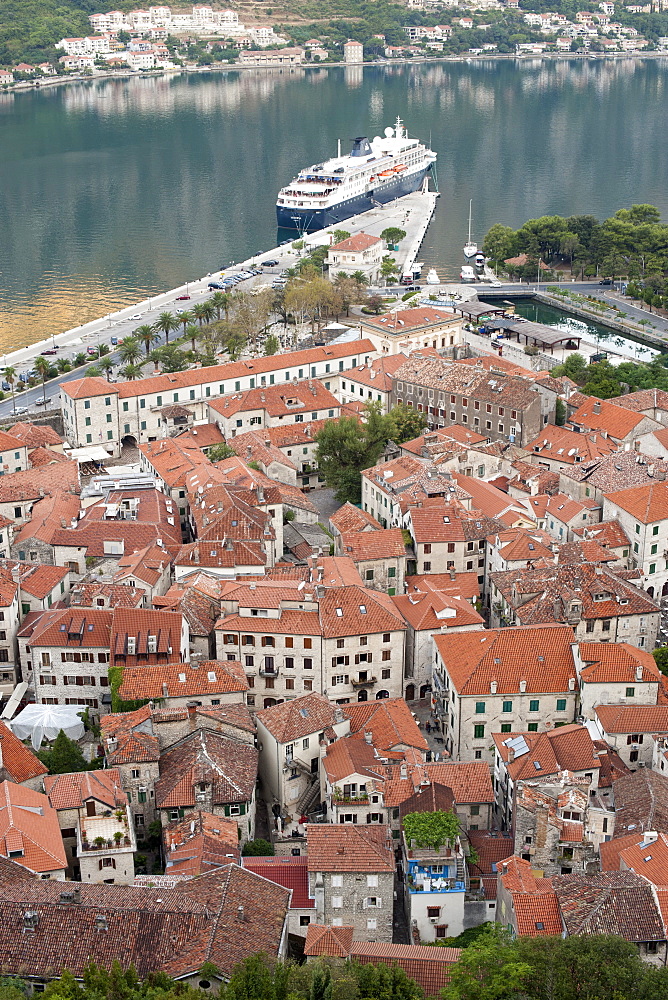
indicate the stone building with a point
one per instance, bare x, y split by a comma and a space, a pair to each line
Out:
502, 680
359, 253
96, 824
629, 730
29, 832
615, 674
351, 878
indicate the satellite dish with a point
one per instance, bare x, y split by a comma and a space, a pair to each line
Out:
389, 132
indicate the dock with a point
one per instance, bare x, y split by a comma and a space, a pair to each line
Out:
412, 213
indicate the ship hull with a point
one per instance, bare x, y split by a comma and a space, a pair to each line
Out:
309, 220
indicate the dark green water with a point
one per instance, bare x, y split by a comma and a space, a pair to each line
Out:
112, 190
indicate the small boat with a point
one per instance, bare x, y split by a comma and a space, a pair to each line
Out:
432, 277
470, 249
480, 260
467, 273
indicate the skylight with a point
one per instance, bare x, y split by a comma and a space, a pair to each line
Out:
339, 613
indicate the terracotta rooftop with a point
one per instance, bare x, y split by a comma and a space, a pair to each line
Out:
566, 748
619, 471
19, 763
290, 872
342, 848
405, 321
29, 830
644, 854
334, 942
633, 718
292, 720
391, 722
641, 802
82, 388
569, 447
621, 903
356, 243
72, 791
229, 766
365, 546
617, 663
436, 611
647, 504
604, 415
183, 680
35, 435
172, 930
540, 657
469, 781
199, 843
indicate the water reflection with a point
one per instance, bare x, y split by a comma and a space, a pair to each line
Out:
111, 190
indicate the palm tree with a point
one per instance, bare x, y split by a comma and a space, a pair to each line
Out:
10, 379
209, 310
146, 335
63, 365
199, 312
93, 371
185, 317
130, 350
166, 323
131, 372
42, 367
193, 332
106, 365
221, 301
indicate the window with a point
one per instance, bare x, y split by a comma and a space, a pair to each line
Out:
134, 773
308, 643
655, 529
506, 727
372, 923
289, 642
427, 549
386, 636
478, 732
534, 705
433, 912
507, 706
426, 567
391, 572
337, 902
373, 901
372, 881
441, 930
480, 708
533, 727
630, 692
561, 704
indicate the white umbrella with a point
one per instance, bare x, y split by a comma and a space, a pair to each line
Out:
44, 722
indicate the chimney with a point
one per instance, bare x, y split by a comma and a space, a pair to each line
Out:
192, 711
571, 683
523, 686
597, 406
403, 770
165, 691
240, 913
368, 737
492, 687
639, 672
77, 896
101, 922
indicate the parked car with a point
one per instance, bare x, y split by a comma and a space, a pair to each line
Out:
214, 285
114, 341
605, 281
20, 410
136, 316
6, 387
42, 401
50, 351
182, 298
269, 263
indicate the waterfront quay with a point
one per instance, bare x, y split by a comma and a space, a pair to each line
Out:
412, 213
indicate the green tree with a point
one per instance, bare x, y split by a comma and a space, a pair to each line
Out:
130, 351
131, 372
393, 235
405, 423
146, 335
388, 269
271, 345
219, 452
42, 366
258, 848
345, 447
166, 323
64, 756
106, 366
170, 358
10, 378
560, 413
661, 657
252, 979
574, 367
339, 235
489, 969
431, 829
499, 243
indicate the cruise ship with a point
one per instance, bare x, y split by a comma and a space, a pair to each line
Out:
373, 173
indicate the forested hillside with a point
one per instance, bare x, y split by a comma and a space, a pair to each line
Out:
29, 28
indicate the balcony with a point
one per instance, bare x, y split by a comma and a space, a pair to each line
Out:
112, 831
434, 883
268, 671
359, 682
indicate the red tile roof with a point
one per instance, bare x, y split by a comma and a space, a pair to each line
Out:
335, 942
363, 546
199, 843
292, 873
71, 791
604, 415
30, 825
633, 718
183, 680
569, 447
356, 243
434, 611
19, 763
391, 722
36, 435
229, 766
292, 720
540, 656
617, 663
646, 504
609, 903
428, 966
567, 748
349, 848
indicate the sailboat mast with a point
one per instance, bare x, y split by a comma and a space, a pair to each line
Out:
470, 206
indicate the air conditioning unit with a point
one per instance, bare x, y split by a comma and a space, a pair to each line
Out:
433, 920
